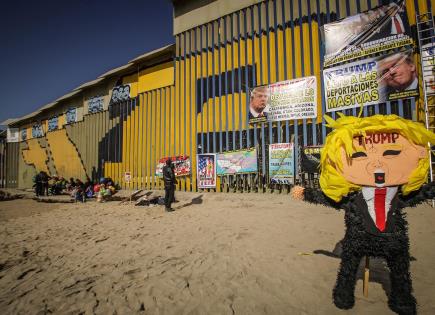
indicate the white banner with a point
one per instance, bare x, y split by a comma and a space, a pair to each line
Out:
428, 57
293, 99
12, 135
371, 81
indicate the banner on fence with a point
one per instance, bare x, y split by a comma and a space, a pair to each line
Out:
380, 29
12, 135
181, 165
310, 159
371, 81
258, 104
37, 131
71, 115
53, 123
95, 104
293, 99
285, 100
428, 57
237, 162
206, 170
23, 134
120, 93
281, 163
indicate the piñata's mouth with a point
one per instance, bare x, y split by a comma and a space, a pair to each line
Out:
379, 177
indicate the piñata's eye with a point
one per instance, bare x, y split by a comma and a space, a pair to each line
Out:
391, 152
359, 154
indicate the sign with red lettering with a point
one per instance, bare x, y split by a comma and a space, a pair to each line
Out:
377, 138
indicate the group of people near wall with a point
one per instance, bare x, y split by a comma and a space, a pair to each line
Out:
45, 185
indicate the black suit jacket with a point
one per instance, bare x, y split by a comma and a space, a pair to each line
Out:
263, 118
357, 215
369, 225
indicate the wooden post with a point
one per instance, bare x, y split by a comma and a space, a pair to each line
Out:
366, 278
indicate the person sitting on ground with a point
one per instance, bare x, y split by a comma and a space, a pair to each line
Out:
89, 191
70, 185
56, 186
63, 183
80, 191
104, 194
96, 188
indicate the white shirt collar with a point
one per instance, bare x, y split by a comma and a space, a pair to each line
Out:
369, 192
413, 85
255, 114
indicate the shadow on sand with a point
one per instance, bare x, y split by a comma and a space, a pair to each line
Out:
195, 201
379, 271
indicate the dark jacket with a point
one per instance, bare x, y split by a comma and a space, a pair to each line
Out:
361, 231
168, 176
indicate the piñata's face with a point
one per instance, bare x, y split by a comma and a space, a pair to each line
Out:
381, 159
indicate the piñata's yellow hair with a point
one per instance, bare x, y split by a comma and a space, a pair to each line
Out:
332, 182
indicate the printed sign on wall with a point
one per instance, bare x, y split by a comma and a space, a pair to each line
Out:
120, 93
53, 123
71, 115
95, 104
281, 163
237, 162
181, 165
285, 100
428, 58
293, 99
310, 160
380, 29
371, 81
37, 131
23, 134
12, 135
206, 170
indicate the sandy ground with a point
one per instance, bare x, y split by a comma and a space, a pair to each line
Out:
216, 254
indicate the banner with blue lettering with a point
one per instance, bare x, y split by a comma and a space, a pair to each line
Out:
371, 81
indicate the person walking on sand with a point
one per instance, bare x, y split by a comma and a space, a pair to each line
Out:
169, 180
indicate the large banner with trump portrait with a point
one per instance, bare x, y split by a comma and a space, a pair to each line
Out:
371, 81
284, 100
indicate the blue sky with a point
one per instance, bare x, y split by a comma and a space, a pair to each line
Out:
50, 47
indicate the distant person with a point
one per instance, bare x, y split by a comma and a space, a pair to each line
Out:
71, 184
258, 102
169, 181
44, 181
397, 73
79, 191
38, 184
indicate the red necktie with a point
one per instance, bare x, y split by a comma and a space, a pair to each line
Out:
380, 207
397, 25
